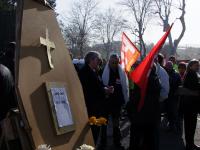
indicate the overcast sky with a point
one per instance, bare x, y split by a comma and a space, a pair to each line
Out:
154, 31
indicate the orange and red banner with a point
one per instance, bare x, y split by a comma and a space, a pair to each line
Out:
129, 53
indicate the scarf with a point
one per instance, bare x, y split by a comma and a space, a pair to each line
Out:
123, 80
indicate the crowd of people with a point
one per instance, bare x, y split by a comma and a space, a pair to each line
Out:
173, 93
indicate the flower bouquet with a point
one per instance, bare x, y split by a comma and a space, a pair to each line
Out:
98, 122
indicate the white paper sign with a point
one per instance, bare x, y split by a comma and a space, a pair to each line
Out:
61, 105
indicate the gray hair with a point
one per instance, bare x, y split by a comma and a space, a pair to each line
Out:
114, 55
91, 55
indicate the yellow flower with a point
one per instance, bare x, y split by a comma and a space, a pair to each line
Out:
98, 122
92, 120
103, 120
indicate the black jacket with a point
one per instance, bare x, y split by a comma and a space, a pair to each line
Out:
7, 96
150, 112
191, 103
191, 81
93, 91
174, 81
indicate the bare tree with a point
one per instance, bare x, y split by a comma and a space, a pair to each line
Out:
142, 11
80, 23
107, 26
71, 36
164, 10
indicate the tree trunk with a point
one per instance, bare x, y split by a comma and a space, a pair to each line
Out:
172, 50
106, 47
81, 45
143, 48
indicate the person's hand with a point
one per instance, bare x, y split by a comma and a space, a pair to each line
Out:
109, 90
106, 89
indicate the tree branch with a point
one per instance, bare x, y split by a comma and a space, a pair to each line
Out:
182, 19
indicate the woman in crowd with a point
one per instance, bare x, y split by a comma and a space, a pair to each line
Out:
191, 103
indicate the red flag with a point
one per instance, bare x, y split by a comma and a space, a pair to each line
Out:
129, 53
141, 73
